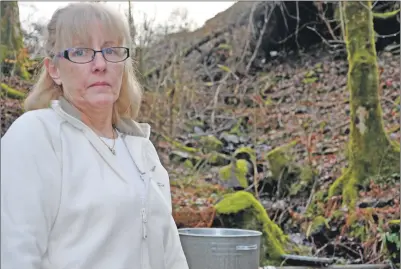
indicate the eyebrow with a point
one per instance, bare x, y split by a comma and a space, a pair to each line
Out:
84, 44
108, 43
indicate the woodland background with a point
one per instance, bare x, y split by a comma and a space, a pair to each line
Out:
266, 119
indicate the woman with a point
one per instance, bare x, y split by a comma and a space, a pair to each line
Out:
82, 186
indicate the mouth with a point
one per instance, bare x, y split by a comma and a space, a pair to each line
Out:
100, 83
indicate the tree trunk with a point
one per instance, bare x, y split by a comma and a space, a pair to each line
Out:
12, 52
370, 151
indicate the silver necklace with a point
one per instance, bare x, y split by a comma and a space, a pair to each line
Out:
112, 150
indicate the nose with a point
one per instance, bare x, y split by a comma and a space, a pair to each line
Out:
99, 63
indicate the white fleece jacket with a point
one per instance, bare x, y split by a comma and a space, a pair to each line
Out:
67, 204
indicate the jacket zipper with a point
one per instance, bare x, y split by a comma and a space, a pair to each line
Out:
144, 216
144, 220
144, 208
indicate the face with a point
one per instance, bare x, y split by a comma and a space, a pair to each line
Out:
91, 85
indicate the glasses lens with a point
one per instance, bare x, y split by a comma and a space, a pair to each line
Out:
115, 54
80, 55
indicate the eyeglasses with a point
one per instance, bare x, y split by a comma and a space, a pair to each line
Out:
86, 55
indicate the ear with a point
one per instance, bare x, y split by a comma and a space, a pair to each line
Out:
53, 70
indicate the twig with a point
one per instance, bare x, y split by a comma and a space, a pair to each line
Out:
324, 19
215, 100
266, 20
297, 27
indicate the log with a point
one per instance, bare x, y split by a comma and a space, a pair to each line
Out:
347, 266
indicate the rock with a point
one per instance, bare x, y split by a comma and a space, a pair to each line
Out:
229, 138
235, 173
198, 130
179, 156
376, 202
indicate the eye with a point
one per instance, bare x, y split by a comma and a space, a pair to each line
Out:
109, 50
78, 52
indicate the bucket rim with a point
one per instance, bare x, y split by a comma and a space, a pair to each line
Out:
248, 233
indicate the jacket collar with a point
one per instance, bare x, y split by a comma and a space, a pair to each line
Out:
125, 125
130, 129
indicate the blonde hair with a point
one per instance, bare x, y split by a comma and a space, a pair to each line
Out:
70, 24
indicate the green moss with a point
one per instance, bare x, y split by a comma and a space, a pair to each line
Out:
317, 205
359, 231
191, 124
3, 52
180, 146
274, 237
279, 159
310, 77
236, 129
12, 46
246, 150
210, 143
306, 178
281, 165
386, 15
10, 92
251, 156
24, 73
309, 80
188, 164
319, 67
337, 214
237, 171
216, 158
317, 224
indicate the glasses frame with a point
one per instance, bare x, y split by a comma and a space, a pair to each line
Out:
64, 54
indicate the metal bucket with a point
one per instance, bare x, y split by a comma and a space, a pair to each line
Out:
220, 248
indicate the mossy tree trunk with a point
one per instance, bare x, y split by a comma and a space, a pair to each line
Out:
12, 51
370, 151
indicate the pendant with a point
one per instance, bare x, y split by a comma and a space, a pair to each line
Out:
113, 151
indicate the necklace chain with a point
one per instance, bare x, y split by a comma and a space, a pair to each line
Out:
112, 150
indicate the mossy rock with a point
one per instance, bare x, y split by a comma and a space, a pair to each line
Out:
246, 153
235, 173
218, 159
275, 241
279, 159
290, 178
180, 146
190, 125
188, 159
210, 143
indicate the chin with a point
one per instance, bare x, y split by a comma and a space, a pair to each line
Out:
103, 100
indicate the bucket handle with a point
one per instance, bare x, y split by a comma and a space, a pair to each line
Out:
249, 247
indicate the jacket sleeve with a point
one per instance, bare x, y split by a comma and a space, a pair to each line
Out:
30, 191
174, 255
